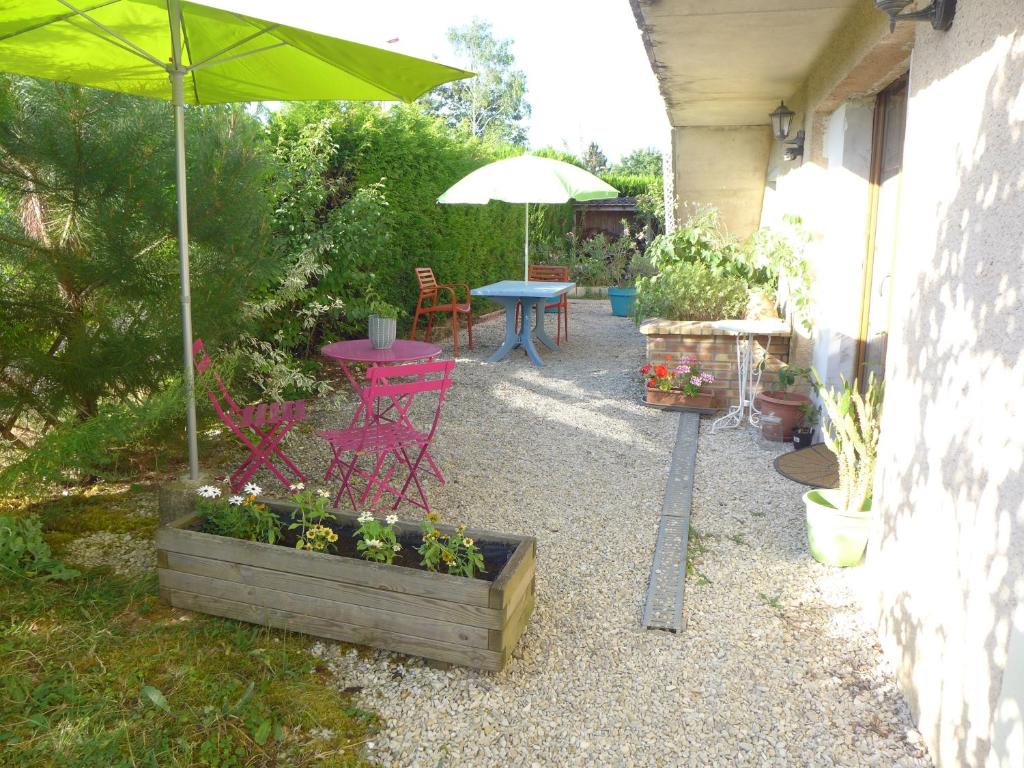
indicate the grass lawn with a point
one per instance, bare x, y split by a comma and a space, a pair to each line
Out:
98, 672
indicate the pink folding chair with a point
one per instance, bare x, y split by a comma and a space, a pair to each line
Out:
261, 427
396, 438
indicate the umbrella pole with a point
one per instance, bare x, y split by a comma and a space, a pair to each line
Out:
526, 246
178, 92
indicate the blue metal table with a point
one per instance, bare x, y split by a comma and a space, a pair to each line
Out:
534, 295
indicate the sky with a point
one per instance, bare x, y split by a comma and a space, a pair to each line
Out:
587, 73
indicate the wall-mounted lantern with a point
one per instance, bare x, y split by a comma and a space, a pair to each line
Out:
794, 148
782, 118
940, 13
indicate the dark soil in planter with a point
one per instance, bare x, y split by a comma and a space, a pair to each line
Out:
496, 553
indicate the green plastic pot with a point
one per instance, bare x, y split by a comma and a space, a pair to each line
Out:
835, 537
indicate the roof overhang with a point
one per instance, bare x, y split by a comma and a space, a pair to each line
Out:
729, 62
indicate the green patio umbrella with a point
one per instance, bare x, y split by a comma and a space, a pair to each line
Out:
189, 53
528, 179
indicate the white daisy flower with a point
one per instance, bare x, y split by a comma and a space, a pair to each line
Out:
208, 491
397, 547
251, 489
236, 501
391, 519
365, 516
467, 542
374, 543
298, 487
323, 493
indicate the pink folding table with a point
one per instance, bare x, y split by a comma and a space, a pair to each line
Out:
362, 351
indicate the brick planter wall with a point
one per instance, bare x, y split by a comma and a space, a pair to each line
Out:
715, 350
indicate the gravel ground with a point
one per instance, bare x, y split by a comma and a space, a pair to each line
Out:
127, 555
775, 666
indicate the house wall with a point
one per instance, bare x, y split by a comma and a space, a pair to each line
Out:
723, 167
831, 198
829, 187
948, 555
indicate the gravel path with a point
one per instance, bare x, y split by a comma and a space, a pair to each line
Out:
775, 666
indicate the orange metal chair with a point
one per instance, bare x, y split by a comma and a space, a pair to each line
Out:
427, 304
552, 273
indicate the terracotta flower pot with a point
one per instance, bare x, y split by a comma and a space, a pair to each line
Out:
785, 405
675, 397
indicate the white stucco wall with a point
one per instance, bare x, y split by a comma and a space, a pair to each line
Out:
948, 556
831, 197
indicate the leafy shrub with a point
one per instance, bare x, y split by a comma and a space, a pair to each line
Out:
778, 253
24, 553
75, 451
600, 261
691, 291
702, 239
702, 273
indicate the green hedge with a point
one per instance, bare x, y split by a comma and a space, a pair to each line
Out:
414, 157
634, 185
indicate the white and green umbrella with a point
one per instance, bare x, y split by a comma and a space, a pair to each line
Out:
528, 179
191, 53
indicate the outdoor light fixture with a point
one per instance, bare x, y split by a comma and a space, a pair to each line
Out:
782, 118
939, 13
794, 148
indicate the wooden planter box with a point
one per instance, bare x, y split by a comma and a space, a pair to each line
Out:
469, 622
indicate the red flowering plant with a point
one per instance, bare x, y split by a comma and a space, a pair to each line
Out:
686, 376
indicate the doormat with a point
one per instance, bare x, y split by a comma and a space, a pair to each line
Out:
814, 466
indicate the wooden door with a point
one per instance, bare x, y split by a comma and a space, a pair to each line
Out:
883, 228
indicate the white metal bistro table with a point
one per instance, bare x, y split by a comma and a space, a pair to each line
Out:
533, 294
745, 331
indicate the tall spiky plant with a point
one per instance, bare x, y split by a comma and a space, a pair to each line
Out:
852, 435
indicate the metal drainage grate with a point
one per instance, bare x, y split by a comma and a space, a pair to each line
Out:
664, 606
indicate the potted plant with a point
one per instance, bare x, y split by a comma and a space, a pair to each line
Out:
383, 323
803, 435
783, 403
598, 261
430, 590
838, 518
629, 264
682, 385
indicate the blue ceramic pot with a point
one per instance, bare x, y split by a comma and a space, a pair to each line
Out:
622, 300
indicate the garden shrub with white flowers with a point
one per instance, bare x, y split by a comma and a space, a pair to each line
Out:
237, 516
376, 539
